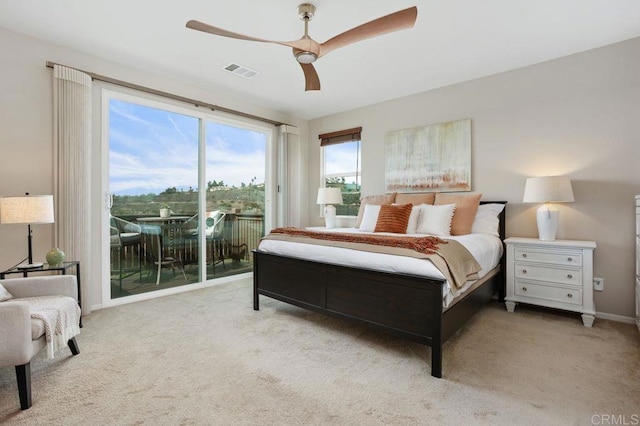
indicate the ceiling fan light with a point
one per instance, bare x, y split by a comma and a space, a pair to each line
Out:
306, 57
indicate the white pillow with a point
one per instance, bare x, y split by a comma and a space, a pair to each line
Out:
486, 220
4, 294
435, 220
370, 217
412, 226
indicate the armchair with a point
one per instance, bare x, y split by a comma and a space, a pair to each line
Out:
21, 335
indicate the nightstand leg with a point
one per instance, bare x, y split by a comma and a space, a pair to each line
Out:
511, 306
587, 320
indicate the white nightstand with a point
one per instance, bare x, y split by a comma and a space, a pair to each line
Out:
557, 274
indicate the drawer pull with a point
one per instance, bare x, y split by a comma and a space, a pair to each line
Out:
569, 295
524, 289
569, 276
524, 271
569, 259
524, 254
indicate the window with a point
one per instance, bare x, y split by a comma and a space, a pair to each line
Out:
341, 167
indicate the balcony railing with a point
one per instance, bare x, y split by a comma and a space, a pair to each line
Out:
241, 234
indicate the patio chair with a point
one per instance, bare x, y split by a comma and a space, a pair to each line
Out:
213, 235
160, 252
125, 234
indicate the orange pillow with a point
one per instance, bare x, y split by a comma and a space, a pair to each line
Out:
466, 209
376, 200
393, 218
416, 199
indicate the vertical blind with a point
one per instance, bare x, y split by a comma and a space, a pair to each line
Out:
72, 145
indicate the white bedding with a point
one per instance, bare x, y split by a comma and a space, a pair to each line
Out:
487, 250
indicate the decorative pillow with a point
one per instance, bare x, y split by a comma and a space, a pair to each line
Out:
370, 217
412, 225
416, 199
486, 221
436, 220
373, 199
4, 294
466, 209
393, 218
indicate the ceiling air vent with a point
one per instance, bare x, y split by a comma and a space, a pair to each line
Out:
241, 70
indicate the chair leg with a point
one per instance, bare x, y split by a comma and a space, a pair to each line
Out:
224, 267
73, 345
121, 256
23, 375
140, 260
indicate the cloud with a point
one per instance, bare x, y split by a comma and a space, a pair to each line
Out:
152, 150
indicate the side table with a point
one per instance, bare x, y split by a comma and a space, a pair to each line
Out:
62, 268
556, 274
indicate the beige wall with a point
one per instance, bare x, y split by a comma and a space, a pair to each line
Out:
26, 98
576, 116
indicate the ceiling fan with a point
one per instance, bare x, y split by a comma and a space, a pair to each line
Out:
306, 50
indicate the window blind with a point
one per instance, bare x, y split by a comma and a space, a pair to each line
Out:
340, 136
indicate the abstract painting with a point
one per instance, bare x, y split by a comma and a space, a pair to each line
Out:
434, 158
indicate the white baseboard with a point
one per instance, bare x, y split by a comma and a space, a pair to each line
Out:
618, 318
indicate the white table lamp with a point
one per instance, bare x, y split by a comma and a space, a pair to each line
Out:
548, 189
328, 197
29, 210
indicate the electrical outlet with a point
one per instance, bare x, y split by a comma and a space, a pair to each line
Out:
598, 284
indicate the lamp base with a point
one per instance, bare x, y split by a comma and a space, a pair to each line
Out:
548, 217
30, 265
329, 216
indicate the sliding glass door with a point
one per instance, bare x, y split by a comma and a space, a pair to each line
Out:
187, 194
235, 198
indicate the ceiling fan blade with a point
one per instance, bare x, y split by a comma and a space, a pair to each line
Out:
312, 82
206, 28
400, 20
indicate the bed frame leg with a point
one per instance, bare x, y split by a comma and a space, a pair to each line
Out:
256, 300
436, 361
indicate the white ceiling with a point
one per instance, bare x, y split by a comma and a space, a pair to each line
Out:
452, 41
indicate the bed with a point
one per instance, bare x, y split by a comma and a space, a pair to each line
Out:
407, 305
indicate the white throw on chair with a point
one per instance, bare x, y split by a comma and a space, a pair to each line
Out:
23, 332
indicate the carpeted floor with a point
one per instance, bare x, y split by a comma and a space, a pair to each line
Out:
205, 357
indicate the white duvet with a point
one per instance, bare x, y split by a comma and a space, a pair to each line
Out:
487, 250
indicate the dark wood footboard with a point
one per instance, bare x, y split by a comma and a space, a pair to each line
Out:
404, 305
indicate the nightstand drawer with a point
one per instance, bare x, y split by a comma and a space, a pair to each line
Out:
542, 273
567, 258
547, 292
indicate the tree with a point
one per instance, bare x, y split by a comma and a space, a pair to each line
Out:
172, 190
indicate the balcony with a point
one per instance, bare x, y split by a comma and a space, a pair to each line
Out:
134, 267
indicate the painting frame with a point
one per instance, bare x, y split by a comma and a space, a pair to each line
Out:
432, 158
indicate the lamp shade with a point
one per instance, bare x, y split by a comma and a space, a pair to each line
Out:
329, 196
30, 209
548, 189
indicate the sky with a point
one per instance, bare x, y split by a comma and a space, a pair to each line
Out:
151, 150
342, 159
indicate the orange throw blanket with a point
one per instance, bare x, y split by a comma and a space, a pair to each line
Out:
449, 256
425, 245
